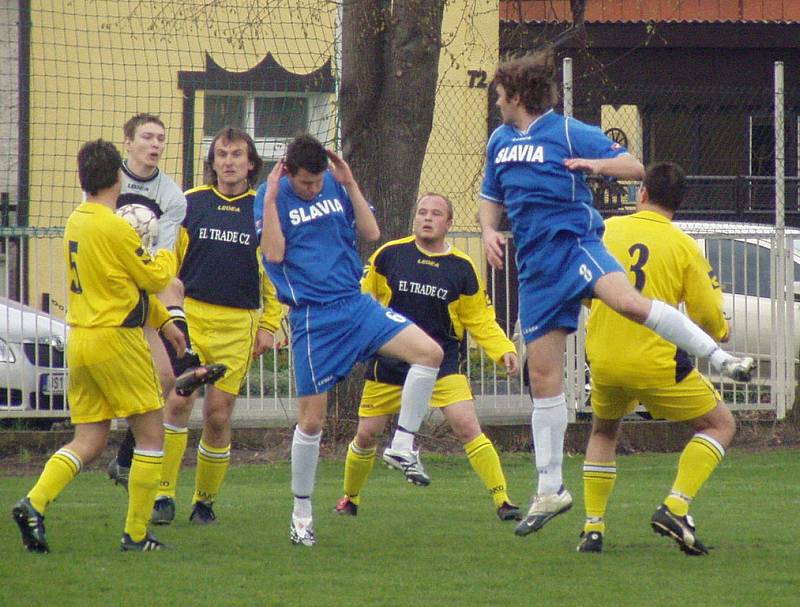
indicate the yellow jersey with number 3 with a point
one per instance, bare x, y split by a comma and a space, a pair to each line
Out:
111, 276
663, 263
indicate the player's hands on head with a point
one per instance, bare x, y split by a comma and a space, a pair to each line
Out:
494, 243
274, 177
175, 337
340, 169
511, 363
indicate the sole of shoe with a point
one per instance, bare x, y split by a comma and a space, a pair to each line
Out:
394, 464
527, 527
187, 383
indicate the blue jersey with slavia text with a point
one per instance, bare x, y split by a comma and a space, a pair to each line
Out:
525, 172
321, 263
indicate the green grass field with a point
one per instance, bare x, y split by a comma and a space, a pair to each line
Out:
440, 545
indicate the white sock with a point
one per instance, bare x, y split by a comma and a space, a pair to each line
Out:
549, 425
305, 455
678, 329
302, 507
414, 402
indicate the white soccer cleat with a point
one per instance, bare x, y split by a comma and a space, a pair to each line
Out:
409, 463
738, 369
301, 531
543, 508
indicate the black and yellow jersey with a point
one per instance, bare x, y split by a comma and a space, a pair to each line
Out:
666, 264
442, 294
112, 278
218, 254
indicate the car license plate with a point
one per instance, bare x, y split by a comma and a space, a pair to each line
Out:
53, 383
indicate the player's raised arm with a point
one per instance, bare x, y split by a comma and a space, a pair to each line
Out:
624, 166
366, 224
489, 214
273, 242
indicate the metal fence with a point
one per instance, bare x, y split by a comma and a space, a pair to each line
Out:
33, 377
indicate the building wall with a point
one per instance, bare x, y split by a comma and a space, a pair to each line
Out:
653, 10
94, 63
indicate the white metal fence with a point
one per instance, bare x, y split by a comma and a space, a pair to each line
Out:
758, 279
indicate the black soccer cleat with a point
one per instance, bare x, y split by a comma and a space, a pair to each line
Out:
591, 542
509, 512
163, 511
203, 513
118, 474
679, 528
31, 526
345, 507
148, 544
190, 381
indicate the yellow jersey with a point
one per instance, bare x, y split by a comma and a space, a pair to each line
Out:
111, 276
663, 263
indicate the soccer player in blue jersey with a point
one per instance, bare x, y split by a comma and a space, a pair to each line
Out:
312, 216
535, 165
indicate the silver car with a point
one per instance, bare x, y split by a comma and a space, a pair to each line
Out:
33, 372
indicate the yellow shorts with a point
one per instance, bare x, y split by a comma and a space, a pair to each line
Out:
225, 335
384, 399
111, 374
688, 399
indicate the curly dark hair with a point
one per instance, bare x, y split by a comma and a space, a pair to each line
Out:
532, 77
99, 163
231, 134
306, 152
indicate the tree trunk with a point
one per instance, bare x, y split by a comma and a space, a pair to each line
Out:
390, 67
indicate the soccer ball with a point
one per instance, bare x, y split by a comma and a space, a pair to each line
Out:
143, 220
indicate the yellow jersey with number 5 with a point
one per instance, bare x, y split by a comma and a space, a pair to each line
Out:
110, 274
663, 263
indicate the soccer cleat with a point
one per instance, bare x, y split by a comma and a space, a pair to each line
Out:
738, 369
543, 508
301, 531
203, 513
509, 512
345, 507
189, 381
148, 544
31, 526
409, 463
118, 474
163, 511
679, 528
591, 542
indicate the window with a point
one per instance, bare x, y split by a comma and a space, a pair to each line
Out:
272, 120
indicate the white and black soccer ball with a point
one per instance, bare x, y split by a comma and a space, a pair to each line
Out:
143, 220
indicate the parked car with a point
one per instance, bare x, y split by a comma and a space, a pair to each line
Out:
33, 372
740, 254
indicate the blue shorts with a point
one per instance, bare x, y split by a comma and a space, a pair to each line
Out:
550, 298
328, 339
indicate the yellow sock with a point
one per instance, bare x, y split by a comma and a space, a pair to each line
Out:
598, 483
357, 466
60, 469
142, 488
485, 462
698, 460
212, 464
175, 439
